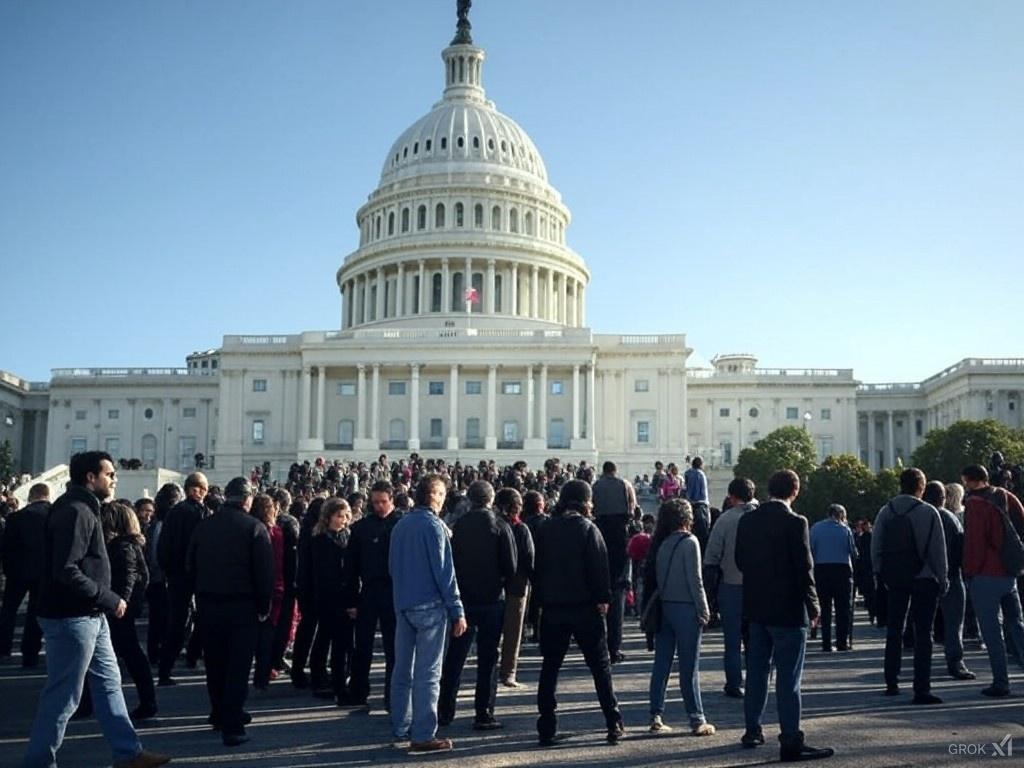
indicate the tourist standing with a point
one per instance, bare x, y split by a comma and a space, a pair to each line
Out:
330, 590
696, 491
509, 504
614, 501
23, 556
834, 552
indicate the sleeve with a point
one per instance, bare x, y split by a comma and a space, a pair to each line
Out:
937, 551
876, 540
353, 555
1015, 511
630, 496
71, 538
695, 580
262, 569
854, 554
507, 552
740, 549
716, 545
528, 556
165, 544
132, 572
596, 566
442, 563
191, 563
10, 543
803, 568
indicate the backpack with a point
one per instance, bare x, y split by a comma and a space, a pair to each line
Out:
1012, 552
901, 559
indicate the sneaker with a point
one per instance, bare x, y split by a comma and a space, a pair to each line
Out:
144, 760
751, 739
804, 752
658, 726
704, 729
995, 692
487, 724
733, 693
926, 698
962, 673
616, 732
434, 745
511, 682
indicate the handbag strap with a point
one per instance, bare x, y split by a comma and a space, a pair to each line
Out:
671, 557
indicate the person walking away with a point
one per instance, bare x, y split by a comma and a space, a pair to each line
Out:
614, 502
696, 491
509, 504
23, 554
685, 613
834, 552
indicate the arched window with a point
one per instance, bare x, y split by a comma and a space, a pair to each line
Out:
528, 223
457, 291
435, 292
459, 215
416, 148
427, 147
476, 142
405, 219
376, 228
421, 217
513, 220
444, 142
478, 216
439, 215
460, 142
495, 217
391, 223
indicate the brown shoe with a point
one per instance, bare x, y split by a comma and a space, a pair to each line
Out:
434, 745
144, 760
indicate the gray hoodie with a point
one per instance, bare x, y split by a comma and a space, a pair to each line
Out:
721, 549
923, 517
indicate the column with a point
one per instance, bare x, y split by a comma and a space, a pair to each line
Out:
307, 403
563, 309
375, 406
414, 407
362, 297
872, 450
513, 291
530, 402
491, 438
360, 431
467, 283
542, 416
890, 444
591, 406
380, 294
446, 287
321, 397
400, 291
912, 433
453, 408
549, 300
575, 403
344, 304
423, 288
581, 309
489, 288
534, 287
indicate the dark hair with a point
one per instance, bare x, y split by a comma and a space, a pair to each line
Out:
934, 494
480, 493
533, 501
119, 519
428, 481
38, 491
354, 497
609, 467
697, 462
783, 484
144, 500
671, 515
282, 497
912, 481
975, 473
509, 503
168, 495
85, 463
196, 480
262, 508
741, 488
574, 497
382, 486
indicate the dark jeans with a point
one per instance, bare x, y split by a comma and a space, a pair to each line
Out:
229, 643
921, 601
305, 636
484, 621
156, 624
264, 648
283, 630
179, 603
335, 629
375, 606
125, 639
616, 609
786, 646
558, 625
32, 636
881, 603
835, 586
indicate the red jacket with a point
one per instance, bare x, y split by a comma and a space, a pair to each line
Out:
983, 531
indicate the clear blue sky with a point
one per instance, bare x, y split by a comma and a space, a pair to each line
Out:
824, 184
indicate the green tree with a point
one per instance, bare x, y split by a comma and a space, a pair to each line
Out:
842, 479
945, 452
785, 448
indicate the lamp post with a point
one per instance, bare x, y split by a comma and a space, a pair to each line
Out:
807, 421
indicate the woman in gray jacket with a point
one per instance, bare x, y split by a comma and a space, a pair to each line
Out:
677, 569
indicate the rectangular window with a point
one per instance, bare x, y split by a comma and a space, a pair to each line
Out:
435, 388
557, 387
474, 387
213, 364
346, 388
188, 413
113, 414
78, 445
257, 430
641, 385
511, 387
643, 432
112, 445
693, 413
826, 414
259, 385
435, 428
792, 413
510, 431
396, 387
79, 415
473, 429
204, 364
723, 413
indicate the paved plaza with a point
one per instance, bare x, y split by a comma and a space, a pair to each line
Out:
843, 708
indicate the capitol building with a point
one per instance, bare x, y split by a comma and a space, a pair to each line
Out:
463, 334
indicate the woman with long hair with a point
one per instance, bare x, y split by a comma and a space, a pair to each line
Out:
509, 504
264, 510
330, 542
676, 568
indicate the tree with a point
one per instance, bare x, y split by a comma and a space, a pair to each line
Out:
945, 452
842, 479
785, 448
6, 462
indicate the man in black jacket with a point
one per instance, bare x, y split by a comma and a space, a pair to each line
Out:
779, 599
172, 548
230, 565
571, 585
484, 552
23, 564
74, 596
369, 599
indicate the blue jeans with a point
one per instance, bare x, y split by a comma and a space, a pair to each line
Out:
77, 648
416, 681
786, 645
990, 594
679, 632
730, 606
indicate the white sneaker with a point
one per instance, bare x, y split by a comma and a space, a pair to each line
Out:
657, 726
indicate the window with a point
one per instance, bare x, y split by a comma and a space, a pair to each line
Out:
753, 413
435, 292
113, 414
723, 413
213, 363
396, 430
919, 426
476, 142
558, 387
641, 385
511, 387
259, 385
510, 432
528, 223
478, 216
460, 142
826, 414
435, 428
643, 432
693, 413
396, 387
112, 445
474, 387
427, 146
405, 219
346, 432
346, 388
439, 215
188, 412
149, 451
421, 217
257, 430
792, 413
186, 452
495, 217
78, 445
458, 291
435, 388
556, 434
472, 429
513, 220
990, 406
444, 142
459, 215
79, 415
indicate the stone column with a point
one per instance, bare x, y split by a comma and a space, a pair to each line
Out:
453, 408
581, 308
321, 398
530, 402
534, 288
423, 307
375, 406
360, 403
491, 438
890, 441
489, 288
414, 407
513, 291
591, 406
400, 291
380, 309
446, 287
542, 416
364, 281
575, 403
549, 300
563, 309
307, 402
872, 449
344, 304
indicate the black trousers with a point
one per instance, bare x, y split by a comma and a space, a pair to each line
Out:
15, 591
264, 648
376, 606
179, 610
558, 626
920, 601
334, 629
229, 644
484, 623
125, 639
310, 644
835, 589
616, 612
156, 626
283, 630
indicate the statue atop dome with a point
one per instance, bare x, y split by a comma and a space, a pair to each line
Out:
462, 28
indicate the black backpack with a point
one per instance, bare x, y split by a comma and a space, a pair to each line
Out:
1012, 552
901, 559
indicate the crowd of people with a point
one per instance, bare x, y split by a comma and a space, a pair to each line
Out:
260, 580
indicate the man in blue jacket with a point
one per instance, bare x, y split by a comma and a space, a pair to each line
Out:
426, 599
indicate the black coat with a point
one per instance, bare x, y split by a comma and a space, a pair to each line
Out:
129, 575
304, 558
175, 537
367, 560
484, 552
329, 550
571, 563
773, 551
24, 545
525, 556
290, 528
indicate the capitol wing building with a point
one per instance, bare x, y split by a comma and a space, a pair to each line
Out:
463, 334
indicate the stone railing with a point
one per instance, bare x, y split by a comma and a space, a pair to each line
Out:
844, 374
895, 388
62, 373
454, 334
23, 384
981, 364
